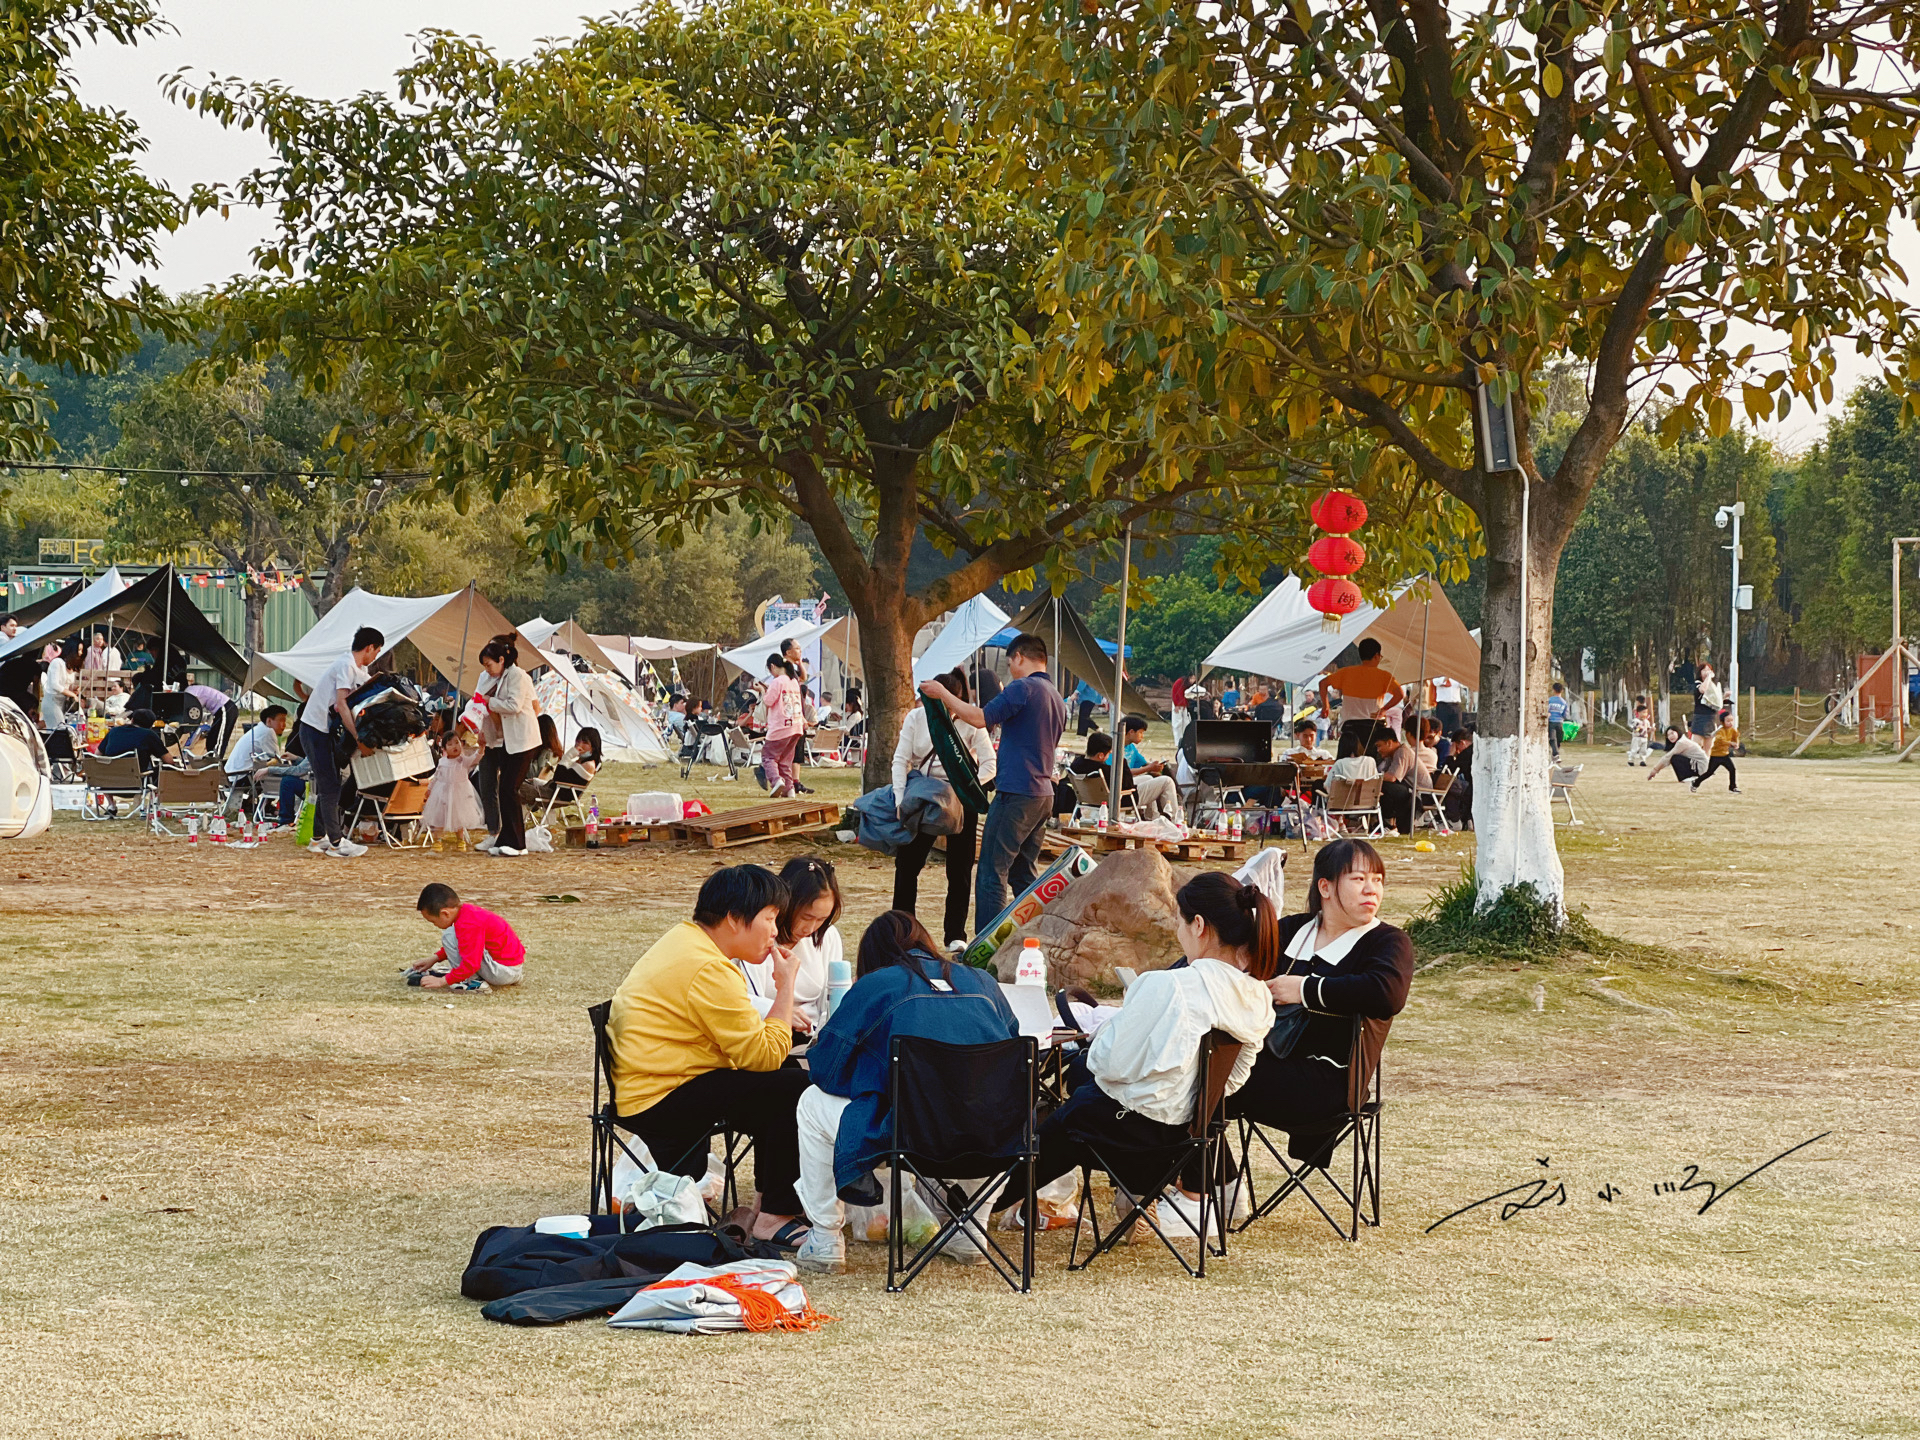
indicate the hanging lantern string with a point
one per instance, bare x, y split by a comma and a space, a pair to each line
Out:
375, 476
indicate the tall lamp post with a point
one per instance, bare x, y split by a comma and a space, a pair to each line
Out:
1721, 516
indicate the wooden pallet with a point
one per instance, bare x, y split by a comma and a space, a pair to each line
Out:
615, 833
753, 823
1198, 847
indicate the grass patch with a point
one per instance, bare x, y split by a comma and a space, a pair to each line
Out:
1520, 925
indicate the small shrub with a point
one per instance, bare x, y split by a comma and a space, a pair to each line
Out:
1519, 925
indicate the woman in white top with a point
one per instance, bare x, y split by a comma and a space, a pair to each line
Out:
513, 727
915, 752
807, 929
1684, 756
1144, 1062
58, 688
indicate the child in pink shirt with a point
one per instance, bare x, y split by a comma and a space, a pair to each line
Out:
478, 950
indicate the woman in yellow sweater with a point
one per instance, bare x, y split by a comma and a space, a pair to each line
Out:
691, 1049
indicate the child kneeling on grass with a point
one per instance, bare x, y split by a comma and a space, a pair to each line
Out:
478, 950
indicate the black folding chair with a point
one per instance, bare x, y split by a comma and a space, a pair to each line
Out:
1205, 1146
1358, 1128
961, 1113
608, 1132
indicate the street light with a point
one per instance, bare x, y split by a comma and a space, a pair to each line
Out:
1742, 599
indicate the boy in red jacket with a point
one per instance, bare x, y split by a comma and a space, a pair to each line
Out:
478, 949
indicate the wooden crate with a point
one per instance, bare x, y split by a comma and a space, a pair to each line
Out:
1198, 847
753, 823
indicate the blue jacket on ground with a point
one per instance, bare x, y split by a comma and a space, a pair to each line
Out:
849, 1056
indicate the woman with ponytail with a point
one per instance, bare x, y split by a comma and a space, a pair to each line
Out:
512, 728
1340, 961
1144, 1062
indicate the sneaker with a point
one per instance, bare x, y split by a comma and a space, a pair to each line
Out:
1693, 786
1177, 1215
348, 850
319, 847
956, 947
505, 850
473, 984
485, 847
1733, 790
823, 1250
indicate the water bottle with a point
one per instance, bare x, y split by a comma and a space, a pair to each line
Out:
1032, 966
193, 829
593, 823
839, 981
1100, 820
217, 828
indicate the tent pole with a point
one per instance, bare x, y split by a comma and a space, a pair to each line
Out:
166, 630
460, 672
1054, 600
1120, 667
1426, 619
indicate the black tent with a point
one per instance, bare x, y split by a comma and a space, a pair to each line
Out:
34, 610
1072, 643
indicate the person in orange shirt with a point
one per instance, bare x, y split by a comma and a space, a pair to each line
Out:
1367, 692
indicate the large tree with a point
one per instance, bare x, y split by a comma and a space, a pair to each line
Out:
1375, 207
75, 210
758, 253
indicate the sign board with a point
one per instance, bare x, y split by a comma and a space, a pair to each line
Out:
778, 612
73, 552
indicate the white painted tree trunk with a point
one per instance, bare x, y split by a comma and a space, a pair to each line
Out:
1513, 820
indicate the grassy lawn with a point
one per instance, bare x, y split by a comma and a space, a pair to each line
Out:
244, 1165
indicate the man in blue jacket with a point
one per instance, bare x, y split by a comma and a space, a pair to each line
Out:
905, 988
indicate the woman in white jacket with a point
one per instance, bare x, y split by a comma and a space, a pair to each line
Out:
512, 727
915, 752
1145, 1061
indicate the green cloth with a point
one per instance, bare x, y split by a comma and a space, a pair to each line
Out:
955, 758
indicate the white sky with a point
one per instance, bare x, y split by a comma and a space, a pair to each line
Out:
342, 47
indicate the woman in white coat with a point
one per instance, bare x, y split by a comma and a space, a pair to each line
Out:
513, 728
915, 752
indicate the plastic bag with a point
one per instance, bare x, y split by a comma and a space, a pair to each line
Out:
657, 1198
540, 840
303, 825
869, 1222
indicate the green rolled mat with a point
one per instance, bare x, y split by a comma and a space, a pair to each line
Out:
955, 758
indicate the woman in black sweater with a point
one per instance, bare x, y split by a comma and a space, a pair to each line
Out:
1339, 961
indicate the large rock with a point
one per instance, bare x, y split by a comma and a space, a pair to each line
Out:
1121, 913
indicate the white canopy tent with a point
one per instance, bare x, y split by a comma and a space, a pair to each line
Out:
568, 638
56, 623
751, 658
970, 627
577, 699
1420, 636
449, 630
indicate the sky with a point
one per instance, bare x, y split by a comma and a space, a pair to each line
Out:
342, 47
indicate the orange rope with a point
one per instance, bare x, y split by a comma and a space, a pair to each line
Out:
759, 1310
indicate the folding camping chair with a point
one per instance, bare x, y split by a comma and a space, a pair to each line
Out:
178, 793
1431, 802
398, 815
1349, 800
1093, 790
607, 1133
109, 781
1358, 1127
1205, 1145
1560, 781
961, 1113
565, 800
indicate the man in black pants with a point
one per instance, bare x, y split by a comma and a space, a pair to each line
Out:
329, 698
691, 1051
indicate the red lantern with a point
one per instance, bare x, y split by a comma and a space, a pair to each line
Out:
1334, 597
1338, 512
1336, 555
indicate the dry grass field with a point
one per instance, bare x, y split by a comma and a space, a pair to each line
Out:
244, 1165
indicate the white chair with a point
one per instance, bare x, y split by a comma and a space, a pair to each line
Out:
1561, 779
1431, 803
1350, 800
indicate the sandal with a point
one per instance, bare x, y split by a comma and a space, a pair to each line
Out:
789, 1236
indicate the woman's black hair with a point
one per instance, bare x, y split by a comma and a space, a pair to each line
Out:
898, 938
550, 734
741, 891
505, 648
1240, 914
955, 681
591, 735
1341, 857
807, 878
776, 664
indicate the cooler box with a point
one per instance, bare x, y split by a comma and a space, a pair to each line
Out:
401, 762
654, 807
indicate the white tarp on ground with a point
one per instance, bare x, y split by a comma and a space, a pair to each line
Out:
1283, 636
577, 700
449, 630
972, 625
752, 657
55, 624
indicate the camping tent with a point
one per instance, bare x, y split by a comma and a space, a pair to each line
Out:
1077, 651
577, 698
449, 630
650, 647
835, 635
970, 627
32, 610
151, 606
1283, 636
569, 639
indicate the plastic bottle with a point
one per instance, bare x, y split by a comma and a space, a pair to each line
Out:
1032, 966
839, 981
1236, 825
1100, 820
217, 829
593, 823
193, 829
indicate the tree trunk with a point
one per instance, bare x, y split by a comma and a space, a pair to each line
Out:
1512, 816
886, 653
